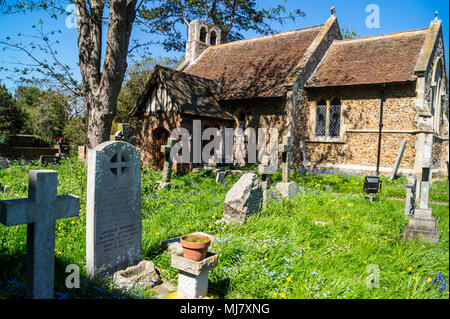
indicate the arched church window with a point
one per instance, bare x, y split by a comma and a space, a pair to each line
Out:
203, 34
335, 118
436, 98
321, 118
213, 38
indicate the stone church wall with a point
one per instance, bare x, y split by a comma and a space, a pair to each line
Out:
357, 150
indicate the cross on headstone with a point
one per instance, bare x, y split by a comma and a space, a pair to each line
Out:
286, 150
123, 134
167, 169
40, 211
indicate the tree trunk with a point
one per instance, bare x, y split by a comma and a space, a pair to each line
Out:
101, 87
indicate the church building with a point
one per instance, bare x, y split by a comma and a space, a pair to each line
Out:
311, 84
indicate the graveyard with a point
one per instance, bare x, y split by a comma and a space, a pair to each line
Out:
317, 244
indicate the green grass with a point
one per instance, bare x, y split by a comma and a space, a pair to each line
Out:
278, 253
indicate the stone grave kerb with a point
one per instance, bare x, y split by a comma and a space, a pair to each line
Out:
113, 202
40, 211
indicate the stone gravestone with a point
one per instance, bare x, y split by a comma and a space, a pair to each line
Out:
4, 162
422, 224
243, 199
113, 220
398, 160
40, 211
124, 134
220, 177
266, 172
410, 195
167, 169
286, 188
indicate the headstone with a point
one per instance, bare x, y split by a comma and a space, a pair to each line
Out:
422, 224
398, 160
243, 199
220, 177
50, 159
266, 171
167, 169
82, 151
193, 275
113, 221
410, 195
4, 163
4, 189
286, 188
124, 134
40, 211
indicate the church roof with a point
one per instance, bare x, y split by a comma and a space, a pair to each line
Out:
256, 67
387, 58
194, 95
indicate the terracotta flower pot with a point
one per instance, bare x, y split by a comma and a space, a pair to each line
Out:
195, 250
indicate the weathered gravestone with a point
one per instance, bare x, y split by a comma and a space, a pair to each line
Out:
398, 160
243, 199
422, 224
123, 134
286, 188
266, 172
40, 211
410, 195
4, 163
113, 221
167, 169
220, 177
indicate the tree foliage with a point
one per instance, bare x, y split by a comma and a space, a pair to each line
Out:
12, 117
167, 18
103, 60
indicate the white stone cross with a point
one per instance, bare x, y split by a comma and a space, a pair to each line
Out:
40, 211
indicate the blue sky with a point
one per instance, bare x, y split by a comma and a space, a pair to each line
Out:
399, 15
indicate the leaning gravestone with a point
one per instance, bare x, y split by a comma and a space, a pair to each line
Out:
243, 199
40, 211
397, 161
113, 221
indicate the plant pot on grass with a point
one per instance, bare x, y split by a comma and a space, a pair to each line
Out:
195, 247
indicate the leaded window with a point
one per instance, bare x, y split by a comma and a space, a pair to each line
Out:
321, 118
335, 118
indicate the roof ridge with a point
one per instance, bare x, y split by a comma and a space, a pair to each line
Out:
184, 73
266, 36
373, 37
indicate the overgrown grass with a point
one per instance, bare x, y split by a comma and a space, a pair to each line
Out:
281, 252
